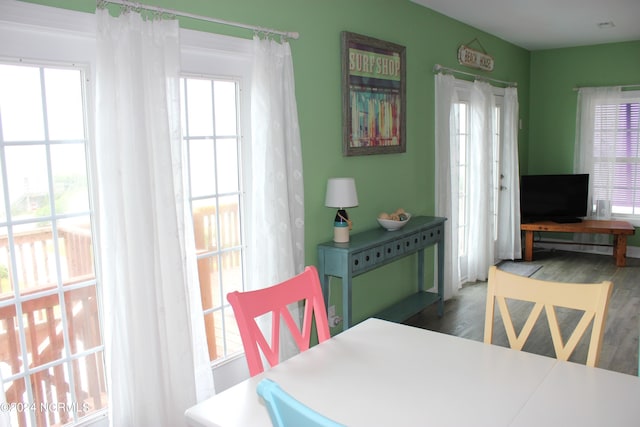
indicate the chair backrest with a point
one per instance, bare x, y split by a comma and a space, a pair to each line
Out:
286, 411
592, 298
249, 305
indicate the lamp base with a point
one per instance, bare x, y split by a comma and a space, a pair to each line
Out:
341, 227
341, 234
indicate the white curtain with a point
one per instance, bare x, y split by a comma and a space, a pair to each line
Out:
509, 245
447, 158
5, 420
480, 230
276, 204
588, 99
483, 241
155, 346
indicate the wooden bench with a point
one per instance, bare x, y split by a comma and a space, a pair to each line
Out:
619, 229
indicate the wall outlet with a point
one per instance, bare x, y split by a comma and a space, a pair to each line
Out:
332, 311
333, 319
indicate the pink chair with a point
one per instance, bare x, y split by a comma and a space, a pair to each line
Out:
247, 306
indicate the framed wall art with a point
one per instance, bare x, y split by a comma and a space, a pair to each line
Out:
373, 96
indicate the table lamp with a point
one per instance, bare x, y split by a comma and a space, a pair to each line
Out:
341, 194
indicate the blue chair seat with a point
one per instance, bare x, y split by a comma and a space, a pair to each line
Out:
286, 411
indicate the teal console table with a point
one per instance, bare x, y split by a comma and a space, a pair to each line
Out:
371, 249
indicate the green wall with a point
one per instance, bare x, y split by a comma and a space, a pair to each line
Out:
384, 182
554, 75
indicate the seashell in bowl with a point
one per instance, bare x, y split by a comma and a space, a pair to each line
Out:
392, 225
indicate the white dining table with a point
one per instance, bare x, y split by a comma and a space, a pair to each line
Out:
380, 373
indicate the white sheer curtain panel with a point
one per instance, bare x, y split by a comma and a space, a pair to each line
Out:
509, 245
480, 230
447, 159
5, 420
586, 139
588, 99
276, 204
154, 333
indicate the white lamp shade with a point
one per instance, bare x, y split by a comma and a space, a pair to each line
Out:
341, 193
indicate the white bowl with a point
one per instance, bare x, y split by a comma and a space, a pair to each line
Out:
392, 225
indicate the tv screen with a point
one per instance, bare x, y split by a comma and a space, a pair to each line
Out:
559, 198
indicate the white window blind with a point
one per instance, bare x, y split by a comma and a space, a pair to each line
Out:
617, 156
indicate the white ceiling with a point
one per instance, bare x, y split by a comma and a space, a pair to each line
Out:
546, 24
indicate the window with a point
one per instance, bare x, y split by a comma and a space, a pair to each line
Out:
51, 352
215, 97
464, 186
224, 64
211, 137
616, 156
462, 133
496, 178
467, 186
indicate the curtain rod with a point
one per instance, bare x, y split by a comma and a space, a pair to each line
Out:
291, 35
622, 87
439, 68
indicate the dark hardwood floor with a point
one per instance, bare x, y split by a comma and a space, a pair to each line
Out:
464, 314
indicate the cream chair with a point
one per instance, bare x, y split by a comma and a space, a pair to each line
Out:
593, 299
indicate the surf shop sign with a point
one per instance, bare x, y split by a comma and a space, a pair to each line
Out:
373, 96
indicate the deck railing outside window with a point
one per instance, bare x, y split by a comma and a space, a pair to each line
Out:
214, 262
51, 352
57, 387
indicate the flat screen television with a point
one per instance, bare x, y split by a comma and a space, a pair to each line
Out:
559, 198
